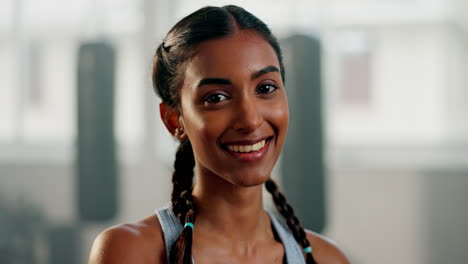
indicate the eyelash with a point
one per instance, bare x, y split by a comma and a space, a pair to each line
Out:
274, 88
209, 99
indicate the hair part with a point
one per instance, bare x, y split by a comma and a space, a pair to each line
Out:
169, 62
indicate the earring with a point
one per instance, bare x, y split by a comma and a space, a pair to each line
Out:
178, 133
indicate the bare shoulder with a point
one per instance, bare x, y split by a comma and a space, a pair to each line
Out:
140, 242
325, 250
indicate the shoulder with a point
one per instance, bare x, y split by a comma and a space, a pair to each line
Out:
325, 250
140, 242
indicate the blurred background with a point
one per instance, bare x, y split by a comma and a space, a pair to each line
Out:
377, 153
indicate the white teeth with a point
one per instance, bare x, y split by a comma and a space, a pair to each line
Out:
256, 146
247, 148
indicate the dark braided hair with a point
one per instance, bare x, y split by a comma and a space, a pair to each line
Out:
169, 61
182, 201
288, 213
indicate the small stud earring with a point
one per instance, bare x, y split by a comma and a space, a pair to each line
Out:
178, 133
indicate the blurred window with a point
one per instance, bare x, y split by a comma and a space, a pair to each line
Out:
6, 15
34, 88
39, 43
354, 68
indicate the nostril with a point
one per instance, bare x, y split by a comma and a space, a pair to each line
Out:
248, 123
247, 115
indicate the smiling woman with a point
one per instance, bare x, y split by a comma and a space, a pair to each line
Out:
241, 102
220, 75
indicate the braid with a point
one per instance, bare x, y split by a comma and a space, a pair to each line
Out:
291, 220
182, 202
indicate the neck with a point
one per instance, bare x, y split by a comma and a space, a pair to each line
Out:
236, 212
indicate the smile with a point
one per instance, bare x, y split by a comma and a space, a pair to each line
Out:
247, 148
248, 151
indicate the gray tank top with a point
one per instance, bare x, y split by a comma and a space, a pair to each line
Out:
172, 228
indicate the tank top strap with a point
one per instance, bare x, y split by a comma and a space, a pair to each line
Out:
170, 225
172, 228
291, 247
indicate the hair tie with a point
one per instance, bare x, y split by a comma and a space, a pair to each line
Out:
188, 224
308, 250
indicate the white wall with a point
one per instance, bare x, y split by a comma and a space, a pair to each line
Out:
398, 181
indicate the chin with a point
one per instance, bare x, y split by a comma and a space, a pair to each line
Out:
250, 180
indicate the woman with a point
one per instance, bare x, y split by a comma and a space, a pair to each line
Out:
220, 75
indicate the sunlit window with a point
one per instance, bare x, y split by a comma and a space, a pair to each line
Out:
355, 69
39, 43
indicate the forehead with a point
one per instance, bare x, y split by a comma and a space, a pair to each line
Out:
242, 53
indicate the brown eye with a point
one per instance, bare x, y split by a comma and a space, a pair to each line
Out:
215, 98
266, 89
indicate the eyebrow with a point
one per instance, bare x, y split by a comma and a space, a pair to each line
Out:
208, 81
264, 71
255, 75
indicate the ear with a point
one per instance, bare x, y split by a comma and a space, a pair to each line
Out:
172, 120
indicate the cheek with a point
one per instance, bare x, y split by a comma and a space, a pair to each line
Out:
203, 129
279, 116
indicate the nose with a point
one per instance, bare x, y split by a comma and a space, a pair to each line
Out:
247, 115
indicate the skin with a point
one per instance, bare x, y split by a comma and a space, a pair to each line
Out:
250, 103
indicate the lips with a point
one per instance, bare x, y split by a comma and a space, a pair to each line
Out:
248, 150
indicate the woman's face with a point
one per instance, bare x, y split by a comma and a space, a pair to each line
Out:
234, 108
